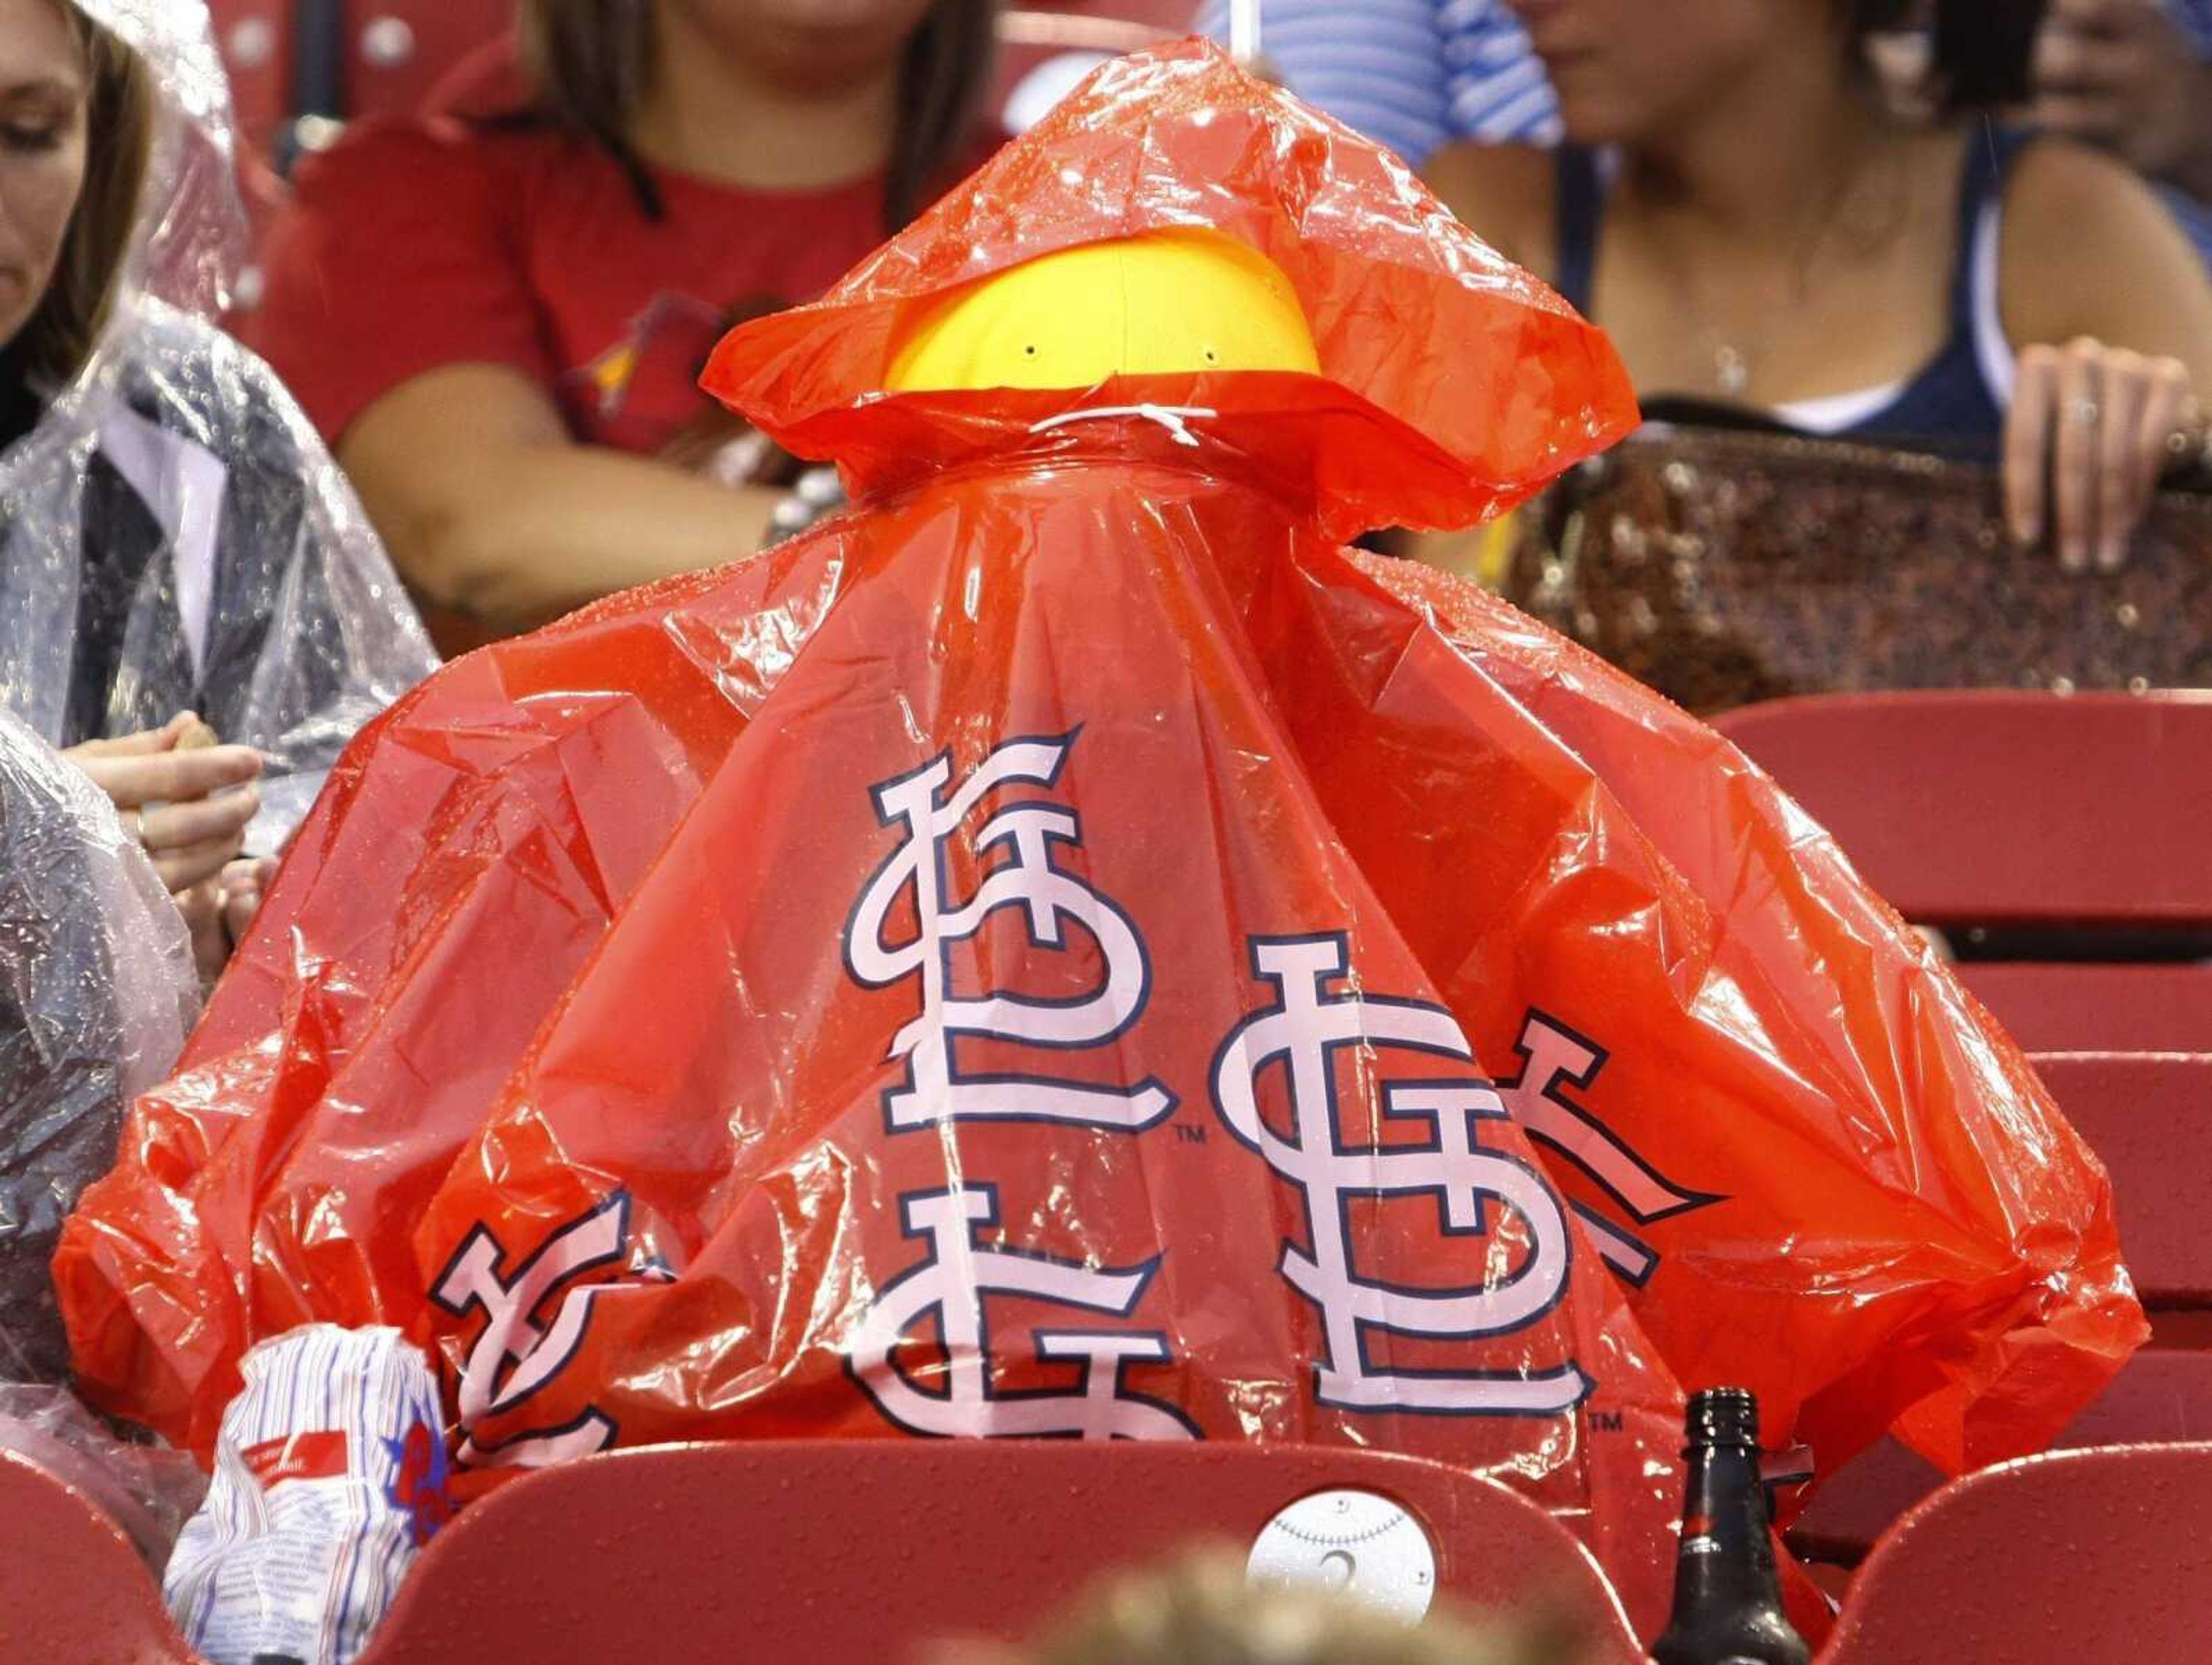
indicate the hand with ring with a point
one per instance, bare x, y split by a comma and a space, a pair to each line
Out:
188, 807
2090, 429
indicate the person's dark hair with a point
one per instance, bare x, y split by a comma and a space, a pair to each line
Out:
587, 60
58, 337
1980, 51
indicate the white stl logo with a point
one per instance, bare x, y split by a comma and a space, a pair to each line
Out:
1301, 1031
956, 1273
534, 1317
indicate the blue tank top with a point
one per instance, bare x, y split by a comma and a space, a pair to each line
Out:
1959, 393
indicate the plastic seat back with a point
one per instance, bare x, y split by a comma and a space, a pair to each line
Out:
837, 1552
2006, 808
2148, 1117
345, 59
2102, 1554
834, 1553
71, 1587
2164, 1395
2075, 1006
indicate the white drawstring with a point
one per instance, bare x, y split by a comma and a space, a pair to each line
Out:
1169, 417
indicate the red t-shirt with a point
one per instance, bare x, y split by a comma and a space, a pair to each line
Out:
417, 244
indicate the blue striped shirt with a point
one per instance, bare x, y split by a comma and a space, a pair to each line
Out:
1410, 74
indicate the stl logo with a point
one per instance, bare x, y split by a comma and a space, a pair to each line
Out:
1555, 1061
1304, 1029
904, 931
534, 1320
1027, 838
952, 1281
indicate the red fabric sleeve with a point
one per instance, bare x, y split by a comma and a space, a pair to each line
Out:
399, 252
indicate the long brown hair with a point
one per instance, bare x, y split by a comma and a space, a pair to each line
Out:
58, 336
589, 61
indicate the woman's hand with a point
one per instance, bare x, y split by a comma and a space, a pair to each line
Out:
177, 803
202, 906
243, 884
218, 910
2090, 428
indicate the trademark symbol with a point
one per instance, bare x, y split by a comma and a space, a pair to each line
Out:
1191, 1133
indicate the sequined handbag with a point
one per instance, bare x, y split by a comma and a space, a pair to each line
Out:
1722, 567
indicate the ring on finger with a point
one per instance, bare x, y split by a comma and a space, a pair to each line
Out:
2083, 411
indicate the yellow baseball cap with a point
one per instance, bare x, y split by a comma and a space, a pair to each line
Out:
1163, 302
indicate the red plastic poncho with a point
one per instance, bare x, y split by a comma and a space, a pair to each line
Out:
1027, 956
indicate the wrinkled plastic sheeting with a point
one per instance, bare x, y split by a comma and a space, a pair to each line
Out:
1065, 947
176, 535
97, 994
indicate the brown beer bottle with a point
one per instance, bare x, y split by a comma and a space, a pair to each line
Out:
1728, 1600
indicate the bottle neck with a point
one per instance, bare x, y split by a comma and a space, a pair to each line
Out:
1727, 1557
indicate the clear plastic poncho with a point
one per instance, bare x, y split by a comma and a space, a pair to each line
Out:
97, 993
176, 537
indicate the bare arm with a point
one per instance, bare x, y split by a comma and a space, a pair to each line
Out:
489, 507
2089, 249
2112, 311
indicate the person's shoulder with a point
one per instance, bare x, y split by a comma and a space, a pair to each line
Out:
1505, 193
416, 153
2049, 172
2085, 236
2067, 205
172, 357
195, 380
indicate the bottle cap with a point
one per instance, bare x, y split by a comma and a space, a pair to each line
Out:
1722, 1416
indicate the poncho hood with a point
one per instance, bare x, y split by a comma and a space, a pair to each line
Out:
1453, 384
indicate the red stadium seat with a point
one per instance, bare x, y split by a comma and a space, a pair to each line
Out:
2007, 809
71, 1588
834, 1553
343, 58
2101, 1555
2165, 1394
2148, 1117
255, 39
2074, 815
2145, 1116
298, 69
2073, 1006
837, 1553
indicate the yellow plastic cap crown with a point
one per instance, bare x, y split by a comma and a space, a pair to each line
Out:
1164, 302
